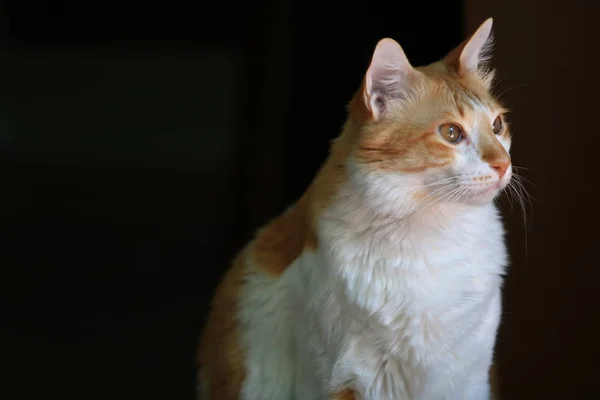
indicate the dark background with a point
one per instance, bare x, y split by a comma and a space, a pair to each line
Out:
141, 144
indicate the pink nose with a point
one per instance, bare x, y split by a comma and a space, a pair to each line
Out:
500, 165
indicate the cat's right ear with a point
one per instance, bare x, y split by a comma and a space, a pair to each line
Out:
386, 78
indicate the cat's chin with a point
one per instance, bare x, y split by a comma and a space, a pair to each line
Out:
485, 196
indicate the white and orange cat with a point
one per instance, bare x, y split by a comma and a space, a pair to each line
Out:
384, 280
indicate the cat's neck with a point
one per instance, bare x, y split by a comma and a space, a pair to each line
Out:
350, 228
357, 216
367, 252
343, 215
339, 193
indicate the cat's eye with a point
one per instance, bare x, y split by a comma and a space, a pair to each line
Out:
498, 125
451, 132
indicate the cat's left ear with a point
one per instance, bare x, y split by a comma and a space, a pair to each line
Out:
387, 78
472, 54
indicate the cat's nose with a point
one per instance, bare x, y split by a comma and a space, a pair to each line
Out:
500, 165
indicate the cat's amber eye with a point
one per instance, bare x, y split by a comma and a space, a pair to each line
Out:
451, 132
498, 125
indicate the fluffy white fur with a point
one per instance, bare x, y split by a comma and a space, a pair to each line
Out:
394, 306
401, 299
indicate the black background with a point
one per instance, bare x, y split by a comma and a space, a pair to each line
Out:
108, 270
121, 204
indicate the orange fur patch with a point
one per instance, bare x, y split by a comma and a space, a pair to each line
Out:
393, 150
345, 394
491, 150
221, 358
279, 243
283, 240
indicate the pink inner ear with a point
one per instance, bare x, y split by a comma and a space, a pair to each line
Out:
385, 76
471, 52
388, 66
477, 46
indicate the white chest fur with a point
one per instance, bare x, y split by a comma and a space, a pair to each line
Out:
394, 313
416, 305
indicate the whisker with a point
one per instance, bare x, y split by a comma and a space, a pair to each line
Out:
520, 178
439, 190
523, 168
454, 198
438, 199
511, 88
522, 189
517, 190
506, 194
446, 180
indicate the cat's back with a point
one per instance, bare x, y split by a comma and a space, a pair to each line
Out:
220, 356
250, 318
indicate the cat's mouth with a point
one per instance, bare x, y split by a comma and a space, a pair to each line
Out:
471, 193
486, 194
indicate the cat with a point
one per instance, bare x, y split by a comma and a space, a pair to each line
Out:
383, 281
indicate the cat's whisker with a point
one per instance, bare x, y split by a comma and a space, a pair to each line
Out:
522, 178
456, 197
522, 199
524, 193
526, 201
516, 189
440, 182
451, 179
523, 168
513, 193
506, 194
437, 191
438, 199
452, 199
440, 190
511, 88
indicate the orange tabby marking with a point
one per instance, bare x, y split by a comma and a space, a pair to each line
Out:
394, 150
220, 354
492, 151
283, 240
345, 394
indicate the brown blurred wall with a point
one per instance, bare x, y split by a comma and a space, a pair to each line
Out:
549, 343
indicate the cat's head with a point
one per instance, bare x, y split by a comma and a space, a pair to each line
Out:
433, 133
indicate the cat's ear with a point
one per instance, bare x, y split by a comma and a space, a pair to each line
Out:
386, 78
473, 53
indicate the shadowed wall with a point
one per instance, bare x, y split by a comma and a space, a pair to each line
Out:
548, 346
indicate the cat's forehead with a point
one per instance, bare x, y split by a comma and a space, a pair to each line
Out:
437, 100
467, 93
471, 99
